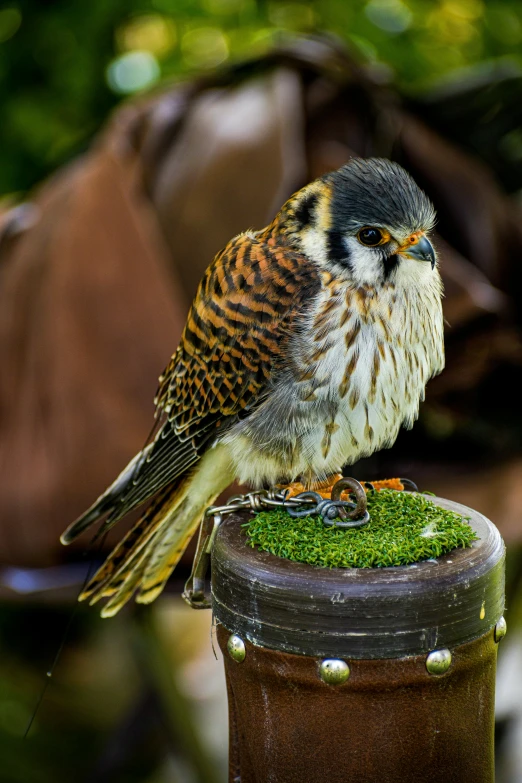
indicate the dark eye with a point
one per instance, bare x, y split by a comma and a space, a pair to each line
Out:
370, 237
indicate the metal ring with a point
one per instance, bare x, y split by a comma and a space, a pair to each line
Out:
333, 520
315, 496
348, 523
358, 491
325, 505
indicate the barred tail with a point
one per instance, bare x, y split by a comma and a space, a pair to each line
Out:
145, 558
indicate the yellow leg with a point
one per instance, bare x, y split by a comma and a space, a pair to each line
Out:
324, 488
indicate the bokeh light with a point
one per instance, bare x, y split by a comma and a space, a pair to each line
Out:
149, 32
73, 62
132, 72
204, 47
393, 16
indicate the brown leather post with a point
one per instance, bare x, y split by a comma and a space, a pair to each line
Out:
392, 720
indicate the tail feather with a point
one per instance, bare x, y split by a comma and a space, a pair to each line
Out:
106, 502
168, 550
124, 592
135, 566
132, 544
148, 554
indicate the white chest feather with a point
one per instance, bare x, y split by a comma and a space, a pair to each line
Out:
377, 358
357, 369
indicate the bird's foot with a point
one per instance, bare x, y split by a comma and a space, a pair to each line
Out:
324, 488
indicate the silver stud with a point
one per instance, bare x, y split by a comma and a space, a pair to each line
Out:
334, 671
500, 629
438, 661
236, 648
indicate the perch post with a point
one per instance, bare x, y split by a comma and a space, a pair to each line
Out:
374, 674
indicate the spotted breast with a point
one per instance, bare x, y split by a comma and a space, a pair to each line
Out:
355, 372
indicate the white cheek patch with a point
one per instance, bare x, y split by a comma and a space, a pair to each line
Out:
366, 264
314, 245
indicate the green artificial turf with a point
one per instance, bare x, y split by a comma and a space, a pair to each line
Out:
404, 528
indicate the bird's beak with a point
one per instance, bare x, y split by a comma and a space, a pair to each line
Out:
420, 250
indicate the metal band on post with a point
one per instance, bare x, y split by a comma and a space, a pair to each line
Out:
360, 674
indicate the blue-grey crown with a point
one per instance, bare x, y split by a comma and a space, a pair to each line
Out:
378, 192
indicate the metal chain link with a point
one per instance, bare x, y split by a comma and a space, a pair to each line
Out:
334, 512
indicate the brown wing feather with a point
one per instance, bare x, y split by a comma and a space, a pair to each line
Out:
236, 331
236, 334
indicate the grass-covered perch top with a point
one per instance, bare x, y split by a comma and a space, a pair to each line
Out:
404, 528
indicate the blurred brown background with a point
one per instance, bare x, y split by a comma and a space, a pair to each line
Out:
97, 269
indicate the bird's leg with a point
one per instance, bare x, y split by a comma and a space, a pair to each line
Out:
324, 488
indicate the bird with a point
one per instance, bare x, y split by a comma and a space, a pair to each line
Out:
308, 346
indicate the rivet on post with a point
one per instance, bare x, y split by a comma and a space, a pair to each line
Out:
334, 671
236, 648
500, 629
438, 661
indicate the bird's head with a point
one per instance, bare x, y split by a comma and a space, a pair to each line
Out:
367, 222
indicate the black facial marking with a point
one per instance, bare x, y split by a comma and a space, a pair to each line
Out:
390, 264
303, 213
336, 249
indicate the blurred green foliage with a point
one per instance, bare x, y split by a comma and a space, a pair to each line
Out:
64, 65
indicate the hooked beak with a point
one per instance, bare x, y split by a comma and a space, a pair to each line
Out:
420, 251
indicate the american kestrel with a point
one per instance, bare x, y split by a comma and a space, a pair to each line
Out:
308, 345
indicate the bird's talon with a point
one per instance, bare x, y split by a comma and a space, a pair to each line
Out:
323, 488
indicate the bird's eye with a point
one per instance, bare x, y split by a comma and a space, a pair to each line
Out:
371, 237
